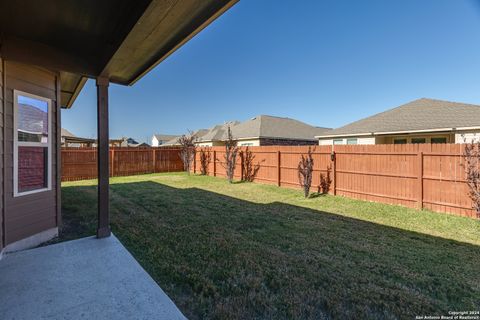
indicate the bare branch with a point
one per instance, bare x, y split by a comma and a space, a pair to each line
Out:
205, 158
472, 172
187, 152
249, 169
231, 151
305, 172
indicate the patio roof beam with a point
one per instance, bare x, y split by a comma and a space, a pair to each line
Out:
102, 158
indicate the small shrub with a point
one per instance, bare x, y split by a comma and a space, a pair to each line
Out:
325, 181
249, 169
187, 152
231, 151
472, 170
205, 158
305, 172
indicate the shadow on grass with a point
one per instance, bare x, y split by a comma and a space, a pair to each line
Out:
223, 257
316, 195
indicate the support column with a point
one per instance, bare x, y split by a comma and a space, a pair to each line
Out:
102, 158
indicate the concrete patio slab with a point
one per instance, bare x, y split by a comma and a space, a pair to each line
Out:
87, 278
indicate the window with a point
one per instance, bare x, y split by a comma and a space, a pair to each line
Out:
399, 141
352, 141
338, 141
439, 140
32, 144
418, 140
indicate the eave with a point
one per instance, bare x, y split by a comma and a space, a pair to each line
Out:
120, 40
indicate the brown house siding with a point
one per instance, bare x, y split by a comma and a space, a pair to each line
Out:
1, 155
30, 214
286, 142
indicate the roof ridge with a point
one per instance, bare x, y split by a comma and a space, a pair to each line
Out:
447, 101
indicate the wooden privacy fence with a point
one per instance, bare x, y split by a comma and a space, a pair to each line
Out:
427, 176
81, 163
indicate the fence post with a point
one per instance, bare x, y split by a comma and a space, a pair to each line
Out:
112, 154
154, 164
214, 163
279, 169
333, 157
420, 179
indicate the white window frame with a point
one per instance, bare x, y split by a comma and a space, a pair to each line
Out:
17, 143
351, 140
341, 141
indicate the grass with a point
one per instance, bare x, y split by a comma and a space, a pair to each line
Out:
244, 250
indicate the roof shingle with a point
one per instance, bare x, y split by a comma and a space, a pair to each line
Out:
265, 126
421, 114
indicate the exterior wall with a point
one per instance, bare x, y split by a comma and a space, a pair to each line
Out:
2, 212
360, 140
154, 142
250, 142
467, 137
428, 137
31, 214
210, 144
285, 142
450, 137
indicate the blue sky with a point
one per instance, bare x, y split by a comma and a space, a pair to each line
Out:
323, 62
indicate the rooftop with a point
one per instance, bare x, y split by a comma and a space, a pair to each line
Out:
266, 126
87, 278
420, 114
165, 137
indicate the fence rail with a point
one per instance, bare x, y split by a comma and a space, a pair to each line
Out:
81, 163
428, 176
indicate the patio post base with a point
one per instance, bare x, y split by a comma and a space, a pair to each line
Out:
103, 232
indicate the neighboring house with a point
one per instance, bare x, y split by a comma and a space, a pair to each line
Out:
264, 130
125, 142
160, 139
48, 51
174, 141
216, 135
420, 121
71, 140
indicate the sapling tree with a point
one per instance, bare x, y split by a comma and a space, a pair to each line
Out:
231, 151
249, 169
325, 181
205, 158
305, 172
472, 170
187, 150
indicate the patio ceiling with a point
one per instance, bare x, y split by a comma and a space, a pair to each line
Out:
118, 39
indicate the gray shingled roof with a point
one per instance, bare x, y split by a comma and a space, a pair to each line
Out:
174, 141
32, 119
164, 137
66, 133
276, 127
421, 114
218, 132
264, 126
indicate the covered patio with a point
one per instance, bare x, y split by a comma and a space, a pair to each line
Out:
48, 50
81, 279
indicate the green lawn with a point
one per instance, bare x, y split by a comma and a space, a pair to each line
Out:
247, 250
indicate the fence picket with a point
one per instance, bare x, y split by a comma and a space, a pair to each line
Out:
417, 176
